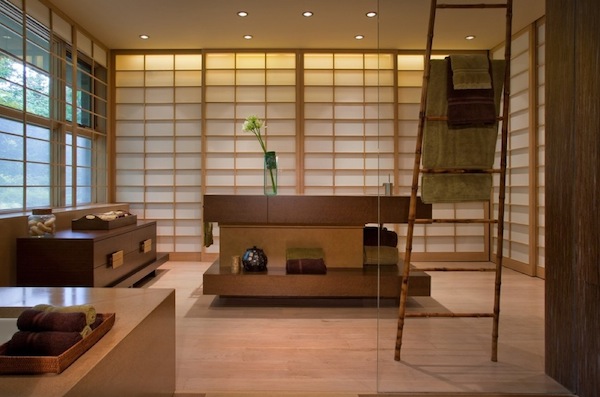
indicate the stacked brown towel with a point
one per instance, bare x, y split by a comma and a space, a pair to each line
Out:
374, 236
89, 310
305, 261
305, 266
473, 106
49, 343
47, 330
36, 320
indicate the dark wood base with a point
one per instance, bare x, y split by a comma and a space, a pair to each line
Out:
337, 283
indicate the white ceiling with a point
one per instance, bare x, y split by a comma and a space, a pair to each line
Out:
213, 24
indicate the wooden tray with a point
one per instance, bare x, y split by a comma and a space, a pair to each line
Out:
53, 364
99, 224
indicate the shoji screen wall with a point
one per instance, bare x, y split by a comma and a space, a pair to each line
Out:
341, 123
524, 230
348, 123
238, 85
158, 148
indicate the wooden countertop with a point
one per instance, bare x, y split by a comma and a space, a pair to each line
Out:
140, 314
310, 210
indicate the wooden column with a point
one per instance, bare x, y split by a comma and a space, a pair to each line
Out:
573, 194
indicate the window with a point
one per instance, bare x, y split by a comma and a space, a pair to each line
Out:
52, 117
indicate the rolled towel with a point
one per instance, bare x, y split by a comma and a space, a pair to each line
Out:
89, 310
86, 331
50, 343
36, 320
99, 319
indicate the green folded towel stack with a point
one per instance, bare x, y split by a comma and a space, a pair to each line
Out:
468, 147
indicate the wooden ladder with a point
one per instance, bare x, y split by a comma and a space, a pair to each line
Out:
417, 170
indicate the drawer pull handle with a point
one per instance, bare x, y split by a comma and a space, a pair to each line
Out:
146, 246
116, 259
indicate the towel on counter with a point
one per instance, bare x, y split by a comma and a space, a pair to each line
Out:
87, 309
208, 234
48, 343
381, 255
304, 253
470, 71
305, 266
386, 237
468, 148
470, 107
38, 321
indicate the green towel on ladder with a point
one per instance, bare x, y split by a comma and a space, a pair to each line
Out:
467, 147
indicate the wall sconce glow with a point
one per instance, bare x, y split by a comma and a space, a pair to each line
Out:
307, 14
359, 37
248, 36
242, 14
371, 14
144, 37
470, 37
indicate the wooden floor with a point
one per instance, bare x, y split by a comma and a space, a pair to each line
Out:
238, 347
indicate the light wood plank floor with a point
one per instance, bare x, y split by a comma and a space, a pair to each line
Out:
343, 348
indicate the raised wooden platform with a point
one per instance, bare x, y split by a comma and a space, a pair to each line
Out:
337, 283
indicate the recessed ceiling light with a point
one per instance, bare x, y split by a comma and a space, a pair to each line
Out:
144, 37
371, 14
470, 37
359, 37
248, 36
242, 13
307, 13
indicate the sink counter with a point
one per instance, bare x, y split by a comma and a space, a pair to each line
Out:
135, 358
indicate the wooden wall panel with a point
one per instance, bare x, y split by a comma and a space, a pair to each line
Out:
573, 208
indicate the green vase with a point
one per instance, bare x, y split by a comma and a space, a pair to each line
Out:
270, 183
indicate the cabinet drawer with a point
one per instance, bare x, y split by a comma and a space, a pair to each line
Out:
134, 257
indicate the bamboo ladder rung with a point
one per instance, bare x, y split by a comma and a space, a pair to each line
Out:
460, 171
445, 118
445, 220
455, 269
449, 315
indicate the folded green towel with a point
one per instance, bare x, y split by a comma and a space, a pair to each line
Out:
381, 255
208, 234
470, 71
304, 253
446, 188
469, 148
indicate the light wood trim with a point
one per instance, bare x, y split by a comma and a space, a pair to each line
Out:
533, 149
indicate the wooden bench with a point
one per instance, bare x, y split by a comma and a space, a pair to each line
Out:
337, 283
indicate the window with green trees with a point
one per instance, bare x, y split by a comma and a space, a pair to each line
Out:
52, 117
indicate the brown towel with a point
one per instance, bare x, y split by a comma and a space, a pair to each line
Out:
36, 320
99, 319
27, 343
469, 107
88, 309
305, 266
373, 237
